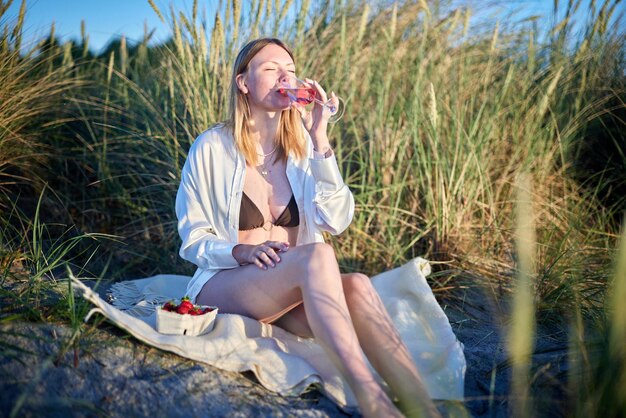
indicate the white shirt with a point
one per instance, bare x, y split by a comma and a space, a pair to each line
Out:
209, 200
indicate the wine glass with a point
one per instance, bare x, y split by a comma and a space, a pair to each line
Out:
299, 91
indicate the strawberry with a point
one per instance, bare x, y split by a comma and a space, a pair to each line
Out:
186, 303
185, 306
169, 306
183, 309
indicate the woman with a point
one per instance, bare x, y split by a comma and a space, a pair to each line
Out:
255, 196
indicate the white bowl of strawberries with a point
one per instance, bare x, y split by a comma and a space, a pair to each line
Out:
185, 318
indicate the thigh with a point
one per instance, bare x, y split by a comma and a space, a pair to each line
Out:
295, 321
256, 293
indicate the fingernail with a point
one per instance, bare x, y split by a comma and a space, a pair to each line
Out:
279, 259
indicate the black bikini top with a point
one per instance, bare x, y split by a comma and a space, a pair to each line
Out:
250, 216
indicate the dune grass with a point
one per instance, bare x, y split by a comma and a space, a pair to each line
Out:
442, 119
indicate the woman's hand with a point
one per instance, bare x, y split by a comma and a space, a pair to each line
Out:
262, 255
316, 121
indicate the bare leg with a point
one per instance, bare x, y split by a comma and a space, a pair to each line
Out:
384, 348
380, 341
309, 273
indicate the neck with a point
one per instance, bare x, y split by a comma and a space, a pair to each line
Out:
263, 127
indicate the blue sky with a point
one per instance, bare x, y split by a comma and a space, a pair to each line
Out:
107, 19
104, 19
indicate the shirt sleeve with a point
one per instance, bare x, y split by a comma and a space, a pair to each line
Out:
333, 200
200, 242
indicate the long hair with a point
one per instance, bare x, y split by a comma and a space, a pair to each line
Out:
290, 133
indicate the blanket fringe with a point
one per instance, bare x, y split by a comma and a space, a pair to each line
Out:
93, 311
126, 297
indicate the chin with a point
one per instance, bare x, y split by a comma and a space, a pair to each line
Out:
281, 107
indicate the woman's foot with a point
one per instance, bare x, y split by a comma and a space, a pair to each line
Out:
418, 409
376, 404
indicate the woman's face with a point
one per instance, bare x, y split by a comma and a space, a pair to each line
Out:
268, 66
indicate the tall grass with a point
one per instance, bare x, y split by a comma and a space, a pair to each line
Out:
596, 369
437, 128
29, 91
33, 258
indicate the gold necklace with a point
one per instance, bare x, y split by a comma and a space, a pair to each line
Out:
269, 153
263, 168
264, 171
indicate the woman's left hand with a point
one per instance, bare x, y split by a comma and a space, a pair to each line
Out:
316, 121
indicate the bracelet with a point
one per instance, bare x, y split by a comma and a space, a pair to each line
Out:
326, 153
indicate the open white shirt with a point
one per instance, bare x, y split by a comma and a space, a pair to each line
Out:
209, 200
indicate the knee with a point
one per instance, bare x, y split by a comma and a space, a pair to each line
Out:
317, 254
357, 285
315, 262
323, 250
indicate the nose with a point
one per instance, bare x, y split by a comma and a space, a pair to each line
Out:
284, 78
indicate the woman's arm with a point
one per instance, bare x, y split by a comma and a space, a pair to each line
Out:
333, 201
196, 213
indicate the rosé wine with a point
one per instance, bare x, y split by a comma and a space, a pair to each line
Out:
302, 95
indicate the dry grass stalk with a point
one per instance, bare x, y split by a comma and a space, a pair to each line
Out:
236, 21
494, 39
431, 105
110, 67
84, 39
394, 22
466, 22
123, 55
424, 6
545, 100
363, 23
68, 60
283, 10
522, 329
17, 29
157, 11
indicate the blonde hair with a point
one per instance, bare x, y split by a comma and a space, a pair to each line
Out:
290, 133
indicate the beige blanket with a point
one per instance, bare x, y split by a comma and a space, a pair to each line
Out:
285, 363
